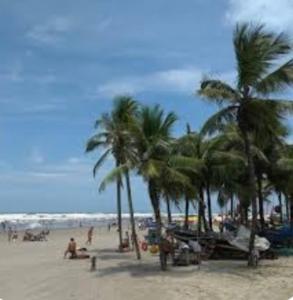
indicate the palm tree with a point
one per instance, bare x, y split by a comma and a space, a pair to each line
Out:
118, 142
153, 145
190, 145
256, 51
281, 175
149, 154
107, 139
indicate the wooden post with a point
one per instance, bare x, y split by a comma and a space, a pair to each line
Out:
93, 263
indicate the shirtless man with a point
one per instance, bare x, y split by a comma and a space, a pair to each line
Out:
90, 236
71, 248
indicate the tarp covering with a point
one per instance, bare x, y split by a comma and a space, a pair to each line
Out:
241, 240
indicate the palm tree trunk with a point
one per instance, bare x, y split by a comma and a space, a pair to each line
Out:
260, 201
209, 205
291, 210
119, 212
241, 212
281, 206
251, 180
155, 200
131, 213
186, 213
245, 213
232, 205
168, 209
198, 218
287, 207
202, 210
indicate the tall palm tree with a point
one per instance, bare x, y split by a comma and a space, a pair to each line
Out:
117, 139
153, 145
257, 51
190, 145
149, 155
107, 139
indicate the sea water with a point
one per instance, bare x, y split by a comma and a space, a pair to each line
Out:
61, 220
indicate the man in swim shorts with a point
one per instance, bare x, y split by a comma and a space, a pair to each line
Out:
71, 248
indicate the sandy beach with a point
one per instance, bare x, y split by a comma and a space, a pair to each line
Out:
37, 271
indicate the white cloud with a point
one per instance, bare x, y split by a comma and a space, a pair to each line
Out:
36, 156
51, 31
77, 171
276, 14
16, 72
182, 80
74, 160
45, 175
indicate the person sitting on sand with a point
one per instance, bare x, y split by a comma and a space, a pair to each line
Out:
125, 246
90, 236
71, 248
28, 236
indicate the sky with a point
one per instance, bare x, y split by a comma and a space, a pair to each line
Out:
62, 62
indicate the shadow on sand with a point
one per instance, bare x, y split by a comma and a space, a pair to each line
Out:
127, 263
134, 267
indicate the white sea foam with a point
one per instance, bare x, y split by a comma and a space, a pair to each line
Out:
62, 220
66, 216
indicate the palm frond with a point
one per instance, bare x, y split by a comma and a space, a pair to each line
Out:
100, 162
256, 49
114, 175
224, 158
218, 121
281, 106
259, 154
277, 80
177, 177
125, 109
218, 91
151, 168
95, 142
285, 164
185, 163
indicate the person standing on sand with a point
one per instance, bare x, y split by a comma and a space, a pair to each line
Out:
3, 224
14, 236
90, 236
9, 233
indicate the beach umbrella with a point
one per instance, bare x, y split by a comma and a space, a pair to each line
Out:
34, 226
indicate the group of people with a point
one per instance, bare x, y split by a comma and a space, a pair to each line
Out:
80, 253
30, 236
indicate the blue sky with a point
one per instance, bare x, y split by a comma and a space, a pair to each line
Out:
63, 61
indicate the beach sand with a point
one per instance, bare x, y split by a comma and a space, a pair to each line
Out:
37, 271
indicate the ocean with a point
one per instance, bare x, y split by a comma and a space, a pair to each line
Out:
60, 220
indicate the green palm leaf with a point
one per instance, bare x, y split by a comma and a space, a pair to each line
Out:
277, 80
100, 161
113, 176
218, 91
218, 121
